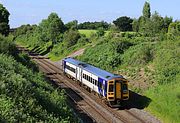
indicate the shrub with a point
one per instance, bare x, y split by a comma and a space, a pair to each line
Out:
26, 96
140, 54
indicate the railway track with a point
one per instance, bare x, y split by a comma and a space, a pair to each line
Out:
87, 102
83, 102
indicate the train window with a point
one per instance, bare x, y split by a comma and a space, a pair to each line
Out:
124, 87
70, 68
73, 70
111, 88
91, 80
95, 82
85, 76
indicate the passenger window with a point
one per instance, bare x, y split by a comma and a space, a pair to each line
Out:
95, 82
111, 88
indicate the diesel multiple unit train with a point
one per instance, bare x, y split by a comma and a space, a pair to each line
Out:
114, 88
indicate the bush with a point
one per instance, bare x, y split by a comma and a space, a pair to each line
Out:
140, 54
167, 61
7, 46
26, 97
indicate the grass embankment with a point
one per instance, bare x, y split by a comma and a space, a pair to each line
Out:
25, 95
160, 61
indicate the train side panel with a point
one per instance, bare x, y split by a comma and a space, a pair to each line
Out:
90, 80
70, 69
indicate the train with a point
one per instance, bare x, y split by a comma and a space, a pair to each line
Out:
111, 87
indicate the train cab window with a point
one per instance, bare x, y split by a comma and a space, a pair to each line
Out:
124, 86
111, 88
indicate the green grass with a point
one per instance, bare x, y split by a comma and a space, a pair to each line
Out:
165, 102
87, 33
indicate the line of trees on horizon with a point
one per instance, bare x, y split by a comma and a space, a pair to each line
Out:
148, 24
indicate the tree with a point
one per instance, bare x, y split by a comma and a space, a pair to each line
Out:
167, 21
72, 24
51, 28
157, 23
146, 10
100, 32
71, 37
93, 25
124, 23
4, 20
56, 26
135, 25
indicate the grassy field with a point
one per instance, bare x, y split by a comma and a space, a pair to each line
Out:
87, 32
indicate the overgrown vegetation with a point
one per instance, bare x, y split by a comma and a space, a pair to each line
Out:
25, 95
148, 55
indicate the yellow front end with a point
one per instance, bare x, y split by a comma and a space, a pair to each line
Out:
117, 90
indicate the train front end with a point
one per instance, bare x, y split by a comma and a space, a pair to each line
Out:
117, 91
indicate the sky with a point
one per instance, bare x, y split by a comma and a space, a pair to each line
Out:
33, 11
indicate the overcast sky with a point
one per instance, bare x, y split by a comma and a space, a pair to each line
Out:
33, 11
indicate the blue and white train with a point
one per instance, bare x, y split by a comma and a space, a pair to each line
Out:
114, 88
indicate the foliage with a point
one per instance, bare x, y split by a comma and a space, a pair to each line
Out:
6, 46
124, 23
71, 37
93, 25
51, 28
4, 20
166, 100
106, 54
174, 28
100, 32
72, 24
43, 37
24, 29
87, 33
148, 25
167, 61
27, 97
146, 10
61, 51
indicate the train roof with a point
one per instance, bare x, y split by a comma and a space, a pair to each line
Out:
94, 70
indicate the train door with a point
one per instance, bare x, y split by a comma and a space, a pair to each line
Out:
103, 87
118, 90
100, 86
80, 74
